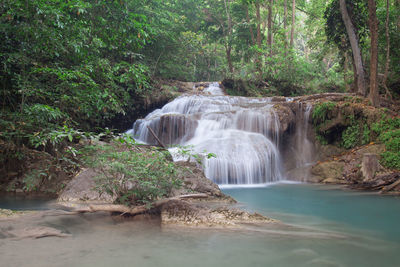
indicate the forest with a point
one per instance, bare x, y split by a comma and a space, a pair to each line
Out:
74, 68
199, 132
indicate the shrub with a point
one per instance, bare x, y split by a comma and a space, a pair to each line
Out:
350, 136
388, 131
135, 175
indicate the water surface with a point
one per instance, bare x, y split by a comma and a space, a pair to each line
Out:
357, 229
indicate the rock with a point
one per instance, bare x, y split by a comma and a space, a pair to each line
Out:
194, 181
286, 117
334, 181
369, 166
34, 232
325, 152
331, 170
191, 214
82, 189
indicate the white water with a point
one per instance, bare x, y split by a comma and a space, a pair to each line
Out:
304, 148
242, 132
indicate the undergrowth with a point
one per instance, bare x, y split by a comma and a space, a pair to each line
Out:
388, 132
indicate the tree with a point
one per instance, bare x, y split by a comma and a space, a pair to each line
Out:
269, 39
373, 26
285, 26
358, 62
387, 37
293, 21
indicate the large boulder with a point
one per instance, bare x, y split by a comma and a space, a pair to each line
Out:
82, 188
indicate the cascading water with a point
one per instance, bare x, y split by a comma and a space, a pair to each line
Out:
304, 148
242, 132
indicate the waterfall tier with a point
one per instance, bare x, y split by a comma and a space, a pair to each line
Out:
242, 132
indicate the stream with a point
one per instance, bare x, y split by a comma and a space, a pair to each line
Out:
339, 228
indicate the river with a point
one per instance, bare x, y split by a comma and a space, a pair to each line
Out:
331, 227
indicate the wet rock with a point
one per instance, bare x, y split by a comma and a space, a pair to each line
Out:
192, 214
34, 232
286, 117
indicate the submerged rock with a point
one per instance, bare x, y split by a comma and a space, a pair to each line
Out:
34, 232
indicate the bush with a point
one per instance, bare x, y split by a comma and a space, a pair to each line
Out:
388, 131
135, 175
350, 136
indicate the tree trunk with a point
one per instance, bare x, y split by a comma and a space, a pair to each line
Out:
373, 80
387, 64
293, 21
269, 39
229, 59
345, 77
258, 62
228, 45
258, 24
285, 26
253, 41
358, 63
354, 85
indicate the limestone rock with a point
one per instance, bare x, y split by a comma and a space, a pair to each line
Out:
285, 115
191, 214
331, 170
82, 188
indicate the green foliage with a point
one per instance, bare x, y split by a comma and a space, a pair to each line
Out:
350, 136
385, 124
320, 112
388, 132
321, 139
33, 179
135, 176
391, 159
189, 153
366, 135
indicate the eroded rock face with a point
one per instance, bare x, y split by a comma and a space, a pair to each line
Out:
194, 214
170, 128
286, 117
329, 172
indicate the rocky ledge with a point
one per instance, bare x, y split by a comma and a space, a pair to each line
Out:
359, 169
198, 203
192, 214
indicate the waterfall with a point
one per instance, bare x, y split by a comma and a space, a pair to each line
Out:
242, 132
303, 148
